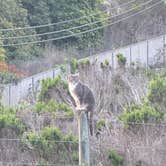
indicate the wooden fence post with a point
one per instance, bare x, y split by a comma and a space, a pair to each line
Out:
84, 146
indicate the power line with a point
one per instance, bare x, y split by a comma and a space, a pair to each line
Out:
62, 22
91, 30
72, 28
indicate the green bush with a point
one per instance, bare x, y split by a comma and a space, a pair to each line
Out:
57, 108
138, 163
8, 119
51, 133
121, 59
157, 93
62, 68
42, 162
46, 142
73, 64
51, 83
51, 139
83, 62
104, 64
145, 114
100, 124
75, 157
116, 159
70, 137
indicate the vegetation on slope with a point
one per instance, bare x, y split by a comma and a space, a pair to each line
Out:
25, 13
56, 108
153, 108
9, 120
51, 141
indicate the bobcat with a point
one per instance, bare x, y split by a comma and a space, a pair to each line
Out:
83, 97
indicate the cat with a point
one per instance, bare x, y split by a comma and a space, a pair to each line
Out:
83, 97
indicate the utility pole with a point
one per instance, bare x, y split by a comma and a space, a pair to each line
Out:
84, 145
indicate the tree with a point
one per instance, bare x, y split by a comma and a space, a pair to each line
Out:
45, 12
14, 15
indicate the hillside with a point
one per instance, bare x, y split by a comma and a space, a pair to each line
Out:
141, 27
129, 119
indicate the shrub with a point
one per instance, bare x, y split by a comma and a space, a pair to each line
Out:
100, 124
83, 62
42, 162
8, 119
138, 163
46, 142
51, 139
73, 64
70, 137
157, 93
145, 114
75, 157
51, 133
62, 68
104, 64
53, 107
51, 83
121, 59
116, 159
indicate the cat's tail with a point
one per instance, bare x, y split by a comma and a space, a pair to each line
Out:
91, 123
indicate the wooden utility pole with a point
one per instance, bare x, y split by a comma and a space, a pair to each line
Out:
84, 147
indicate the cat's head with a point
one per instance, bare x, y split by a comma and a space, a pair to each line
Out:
73, 78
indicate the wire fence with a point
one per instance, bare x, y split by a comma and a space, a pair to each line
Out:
99, 150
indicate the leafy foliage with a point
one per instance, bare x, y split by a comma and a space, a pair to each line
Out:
54, 107
8, 119
121, 59
104, 64
116, 159
100, 124
51, 139
157, 93
144, 114
76, 64
73, 64
42, 162
21, 13
13, 14
51, 83
83, 62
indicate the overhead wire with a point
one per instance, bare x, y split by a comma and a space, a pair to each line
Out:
73, 28
61, 22
87, 31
